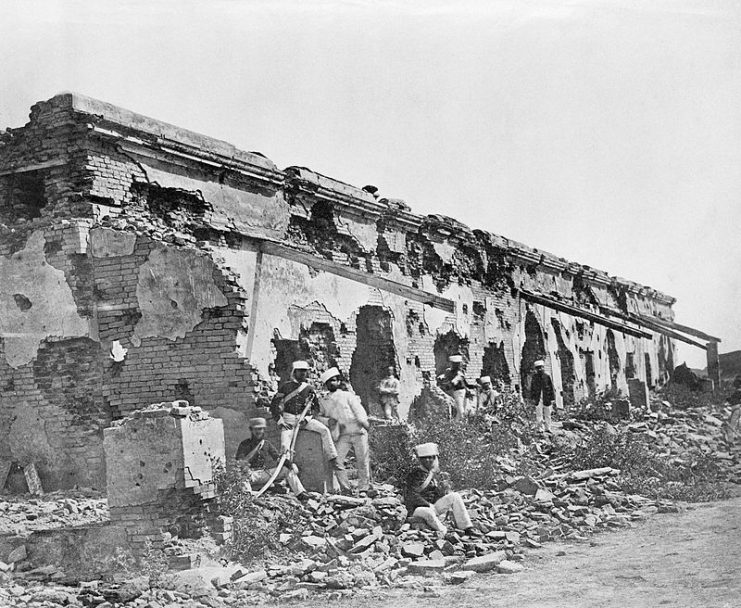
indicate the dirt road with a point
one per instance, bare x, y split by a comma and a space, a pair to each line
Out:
692, 559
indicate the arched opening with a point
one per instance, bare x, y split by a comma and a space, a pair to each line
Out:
566, 359
494, 363
447, 344
373, 354
532, 350
317, 344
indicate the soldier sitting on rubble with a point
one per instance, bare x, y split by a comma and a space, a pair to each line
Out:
428, 495
257, 452
288, 404
490, 398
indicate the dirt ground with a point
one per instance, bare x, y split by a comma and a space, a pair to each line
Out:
690, 559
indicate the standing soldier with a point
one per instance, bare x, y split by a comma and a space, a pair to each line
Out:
542, 395
453, 382
389, 391
288, 404
350, 425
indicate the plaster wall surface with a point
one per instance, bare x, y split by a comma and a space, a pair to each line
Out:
130, 273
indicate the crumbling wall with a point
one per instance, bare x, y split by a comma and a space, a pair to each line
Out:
141, 262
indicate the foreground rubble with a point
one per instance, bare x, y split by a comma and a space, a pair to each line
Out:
338, 545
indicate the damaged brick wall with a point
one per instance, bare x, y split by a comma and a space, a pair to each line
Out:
141, 262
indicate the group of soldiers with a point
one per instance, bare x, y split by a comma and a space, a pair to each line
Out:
336, 414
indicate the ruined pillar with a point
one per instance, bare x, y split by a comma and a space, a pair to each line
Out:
160, 471
713, 363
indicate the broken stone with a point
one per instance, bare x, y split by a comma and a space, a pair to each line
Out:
18, 554
413, 549
461, 576
485, 563
526, 485
427, 567
509, 567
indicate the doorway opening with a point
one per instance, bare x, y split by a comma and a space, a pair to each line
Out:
374, 353
532, 350
566, 359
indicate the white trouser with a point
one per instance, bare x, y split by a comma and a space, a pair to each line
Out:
328, 447
452, 500
459, 396
543, 416
359, 443
260, 477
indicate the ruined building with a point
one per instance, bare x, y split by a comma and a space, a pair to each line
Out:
140, 262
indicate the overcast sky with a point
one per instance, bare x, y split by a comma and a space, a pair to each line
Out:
604, 131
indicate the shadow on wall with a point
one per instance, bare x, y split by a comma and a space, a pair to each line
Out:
566, 360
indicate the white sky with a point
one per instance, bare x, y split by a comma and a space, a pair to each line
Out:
604, 131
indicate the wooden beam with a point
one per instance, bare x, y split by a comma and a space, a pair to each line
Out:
652, 325
373, 280
57, 162
683, 328
584, 314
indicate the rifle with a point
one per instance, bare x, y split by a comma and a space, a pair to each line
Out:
285, 455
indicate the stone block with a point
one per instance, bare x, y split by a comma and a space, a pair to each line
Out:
145, 456
313, 468
508, 567
621, 408
485, 563
426, 567
461, 576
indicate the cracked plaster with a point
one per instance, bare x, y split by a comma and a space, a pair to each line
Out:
174, 287
53, 311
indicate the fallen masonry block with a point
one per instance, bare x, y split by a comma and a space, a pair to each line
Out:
588, 473
485, 563
456, 578
526, 485
508, 567
251, 578
314, 541
427, 567
17, 555
32, 479
413, 549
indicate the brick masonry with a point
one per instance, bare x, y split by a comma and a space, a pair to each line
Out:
135, 267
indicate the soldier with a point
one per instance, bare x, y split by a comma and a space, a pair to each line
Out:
542, 395
428, 495
257, 452
489, 398
290, 400
453, 382
349, 422
389, 391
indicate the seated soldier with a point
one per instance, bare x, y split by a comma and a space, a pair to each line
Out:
257, 452
428, 496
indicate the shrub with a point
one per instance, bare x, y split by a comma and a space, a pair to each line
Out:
255, 529
643, 471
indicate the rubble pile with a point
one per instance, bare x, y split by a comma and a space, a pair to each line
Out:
339, 545
19, 515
